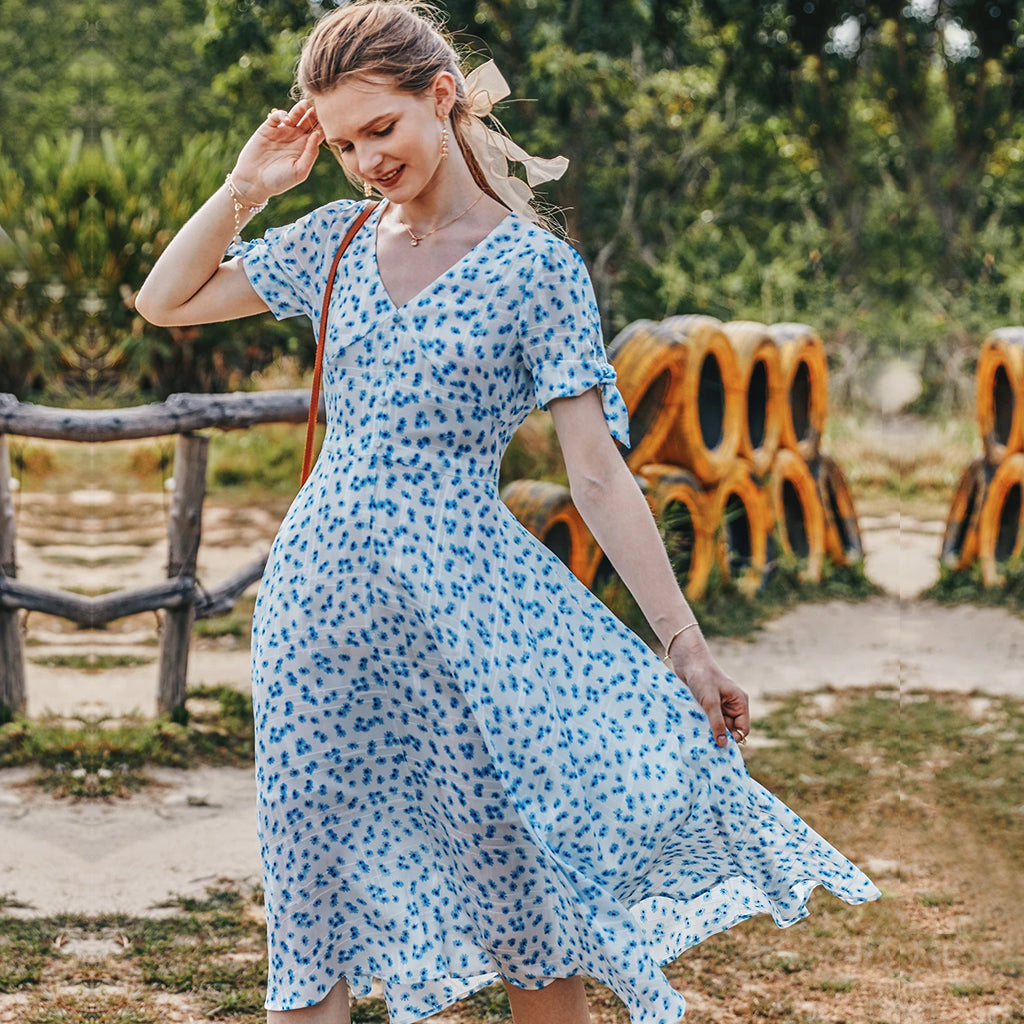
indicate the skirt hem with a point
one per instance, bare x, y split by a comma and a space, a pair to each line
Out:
744, 901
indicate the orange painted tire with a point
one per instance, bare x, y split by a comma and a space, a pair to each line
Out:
706, 435
798, 512
999, 388
649, 363
1001, 527
741, 518
547, 511
843, 543
680, 504
960, 540
760, 366
805, 386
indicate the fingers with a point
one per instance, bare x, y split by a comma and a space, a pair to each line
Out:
310, 152
725, 704
301, 116
718, 729
741, 723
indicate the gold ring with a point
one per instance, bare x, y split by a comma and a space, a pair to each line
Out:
741, 739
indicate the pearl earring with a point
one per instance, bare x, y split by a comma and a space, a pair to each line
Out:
444, 139
367, 190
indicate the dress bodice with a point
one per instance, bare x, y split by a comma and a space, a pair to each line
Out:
442, 381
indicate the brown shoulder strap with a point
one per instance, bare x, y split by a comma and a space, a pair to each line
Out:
314, 396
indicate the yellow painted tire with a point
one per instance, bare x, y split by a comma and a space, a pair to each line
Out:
805, 386
999, 390
843, 543
706, 434
650, 363
798, 513
1001, 527
960, 539
680, 504
547, 511
760, 366
741, 519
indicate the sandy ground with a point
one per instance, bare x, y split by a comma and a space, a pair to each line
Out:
198, 826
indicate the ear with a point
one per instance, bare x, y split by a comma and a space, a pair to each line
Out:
443, 92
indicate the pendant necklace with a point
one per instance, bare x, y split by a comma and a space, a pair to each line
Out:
416, 239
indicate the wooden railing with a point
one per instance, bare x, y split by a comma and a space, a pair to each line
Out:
179, 595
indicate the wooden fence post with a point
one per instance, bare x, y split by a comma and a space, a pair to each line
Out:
184, 531
12, 659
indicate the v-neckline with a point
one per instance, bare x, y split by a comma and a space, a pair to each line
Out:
395, 306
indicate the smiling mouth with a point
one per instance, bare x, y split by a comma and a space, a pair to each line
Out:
388, 178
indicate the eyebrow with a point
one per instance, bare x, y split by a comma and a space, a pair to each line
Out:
369, 124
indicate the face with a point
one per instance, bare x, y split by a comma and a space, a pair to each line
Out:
385, 136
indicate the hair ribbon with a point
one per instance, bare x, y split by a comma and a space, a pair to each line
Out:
484, 87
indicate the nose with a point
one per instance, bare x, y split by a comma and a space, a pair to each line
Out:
369, 159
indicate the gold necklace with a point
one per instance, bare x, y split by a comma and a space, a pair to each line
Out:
416, 239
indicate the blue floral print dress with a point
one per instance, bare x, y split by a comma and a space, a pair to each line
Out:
467, 766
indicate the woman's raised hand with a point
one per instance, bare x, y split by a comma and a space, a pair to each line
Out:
280, 154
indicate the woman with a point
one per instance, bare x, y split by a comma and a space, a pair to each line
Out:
467, 768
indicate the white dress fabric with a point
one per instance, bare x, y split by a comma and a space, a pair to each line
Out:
467, 766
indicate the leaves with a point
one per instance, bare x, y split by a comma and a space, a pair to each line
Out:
850, 163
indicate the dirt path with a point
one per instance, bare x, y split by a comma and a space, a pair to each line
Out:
198, 826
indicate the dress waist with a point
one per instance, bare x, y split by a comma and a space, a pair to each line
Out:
376, 456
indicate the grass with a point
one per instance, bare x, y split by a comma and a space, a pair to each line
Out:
922, 789
264, 458
237, 622
94, 757
916, 460
92, 662
97, 591
966, 586
96, 562
725, 610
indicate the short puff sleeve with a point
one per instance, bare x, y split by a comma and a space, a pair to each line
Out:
560, 327
288, 264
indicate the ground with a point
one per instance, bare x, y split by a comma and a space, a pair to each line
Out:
197, 828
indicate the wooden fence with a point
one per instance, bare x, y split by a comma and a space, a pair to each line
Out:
179, 595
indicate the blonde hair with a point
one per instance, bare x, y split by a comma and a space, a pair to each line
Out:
401, 40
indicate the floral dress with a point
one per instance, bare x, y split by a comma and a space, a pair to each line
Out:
467, 766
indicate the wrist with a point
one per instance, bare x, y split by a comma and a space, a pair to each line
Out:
678, 637
243, 207
244, 193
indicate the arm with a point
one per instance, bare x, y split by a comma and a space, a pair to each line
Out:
614, 509
189, 284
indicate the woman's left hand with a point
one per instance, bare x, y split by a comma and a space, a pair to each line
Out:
723, 701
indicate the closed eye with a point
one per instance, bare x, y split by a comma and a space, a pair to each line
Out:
338, 148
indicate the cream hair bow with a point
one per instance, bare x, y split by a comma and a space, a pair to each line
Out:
485, 86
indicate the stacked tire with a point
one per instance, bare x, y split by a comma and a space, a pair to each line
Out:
726, 421
985, 524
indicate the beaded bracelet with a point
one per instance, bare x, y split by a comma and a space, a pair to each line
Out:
240, 204
672, 639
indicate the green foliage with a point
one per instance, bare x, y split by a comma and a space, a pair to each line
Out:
261, 459
851, 165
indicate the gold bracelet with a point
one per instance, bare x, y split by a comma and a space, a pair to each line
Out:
672, 639
240, 204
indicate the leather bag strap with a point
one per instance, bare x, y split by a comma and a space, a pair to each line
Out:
314, 395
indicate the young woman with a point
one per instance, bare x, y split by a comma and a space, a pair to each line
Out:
467, 767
